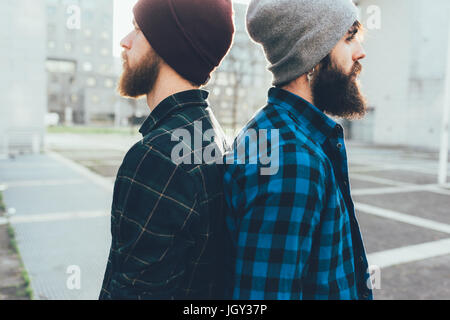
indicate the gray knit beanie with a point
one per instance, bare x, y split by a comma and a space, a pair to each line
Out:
298, 34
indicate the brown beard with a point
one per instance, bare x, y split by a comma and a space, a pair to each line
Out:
140, 80
337, 93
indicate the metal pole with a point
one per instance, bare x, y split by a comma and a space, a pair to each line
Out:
443, 158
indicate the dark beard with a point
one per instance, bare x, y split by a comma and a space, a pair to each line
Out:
337, 93
140, 80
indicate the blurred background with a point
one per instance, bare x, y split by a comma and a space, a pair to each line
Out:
64, 131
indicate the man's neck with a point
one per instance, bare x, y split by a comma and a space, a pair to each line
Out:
301, 88
167, 85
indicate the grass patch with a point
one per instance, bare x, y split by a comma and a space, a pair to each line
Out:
12, 239
2, 205
23, 290
92, 130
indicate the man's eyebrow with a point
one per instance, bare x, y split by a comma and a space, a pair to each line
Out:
353, 30
357, 27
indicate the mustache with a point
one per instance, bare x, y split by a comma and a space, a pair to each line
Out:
356, 69
124, 57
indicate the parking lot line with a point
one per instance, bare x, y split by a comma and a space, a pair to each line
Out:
378, 180
409, 254
401, 189
405, 218
40, 183
57, 216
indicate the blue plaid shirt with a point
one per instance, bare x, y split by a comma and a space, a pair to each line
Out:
295, 232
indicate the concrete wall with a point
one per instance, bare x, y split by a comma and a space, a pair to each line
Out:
23, 82
404, 71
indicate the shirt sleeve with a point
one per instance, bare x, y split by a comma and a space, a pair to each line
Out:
273, 219
154, 203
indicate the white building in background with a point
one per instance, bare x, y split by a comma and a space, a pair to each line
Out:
23, 99
404, 72
238, 88
80, 63
82, 71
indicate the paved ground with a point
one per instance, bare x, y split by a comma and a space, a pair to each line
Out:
405, 220
62, 215
61, 220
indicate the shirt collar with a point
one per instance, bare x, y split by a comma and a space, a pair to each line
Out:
179, 100
315, 121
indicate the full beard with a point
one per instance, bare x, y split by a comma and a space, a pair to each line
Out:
337, 93
140, 80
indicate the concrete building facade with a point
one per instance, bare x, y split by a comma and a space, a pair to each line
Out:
82, 71
404, 72
80, 63
23, 82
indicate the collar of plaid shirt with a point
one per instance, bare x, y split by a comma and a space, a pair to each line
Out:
179, 100
319, 126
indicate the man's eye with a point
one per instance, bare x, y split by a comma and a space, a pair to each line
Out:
351, 38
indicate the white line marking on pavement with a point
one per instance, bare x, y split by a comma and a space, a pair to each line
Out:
411, 188
378, 180
98, 179
61, 216
425, 167
405, 218
409, 254
41, 183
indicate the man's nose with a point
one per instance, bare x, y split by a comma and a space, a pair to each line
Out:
126, 42
360, 53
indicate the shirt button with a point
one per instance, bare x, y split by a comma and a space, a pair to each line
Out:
361, 259
365, 295
339, 146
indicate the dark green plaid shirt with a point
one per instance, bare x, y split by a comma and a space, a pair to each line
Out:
167, 220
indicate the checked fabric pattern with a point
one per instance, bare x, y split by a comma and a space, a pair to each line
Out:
295, 233
167, 220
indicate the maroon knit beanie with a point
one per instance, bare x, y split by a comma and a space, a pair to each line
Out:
192, 36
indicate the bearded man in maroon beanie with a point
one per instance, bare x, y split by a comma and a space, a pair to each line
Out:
167, 220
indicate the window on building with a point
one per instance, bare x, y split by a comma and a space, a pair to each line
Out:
60, 66
95, 99
51, 30
68, 47
109, 83
104, 52
91, 82
51, 11
87, 66
53, 98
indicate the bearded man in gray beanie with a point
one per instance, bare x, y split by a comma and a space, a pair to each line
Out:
294, 231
